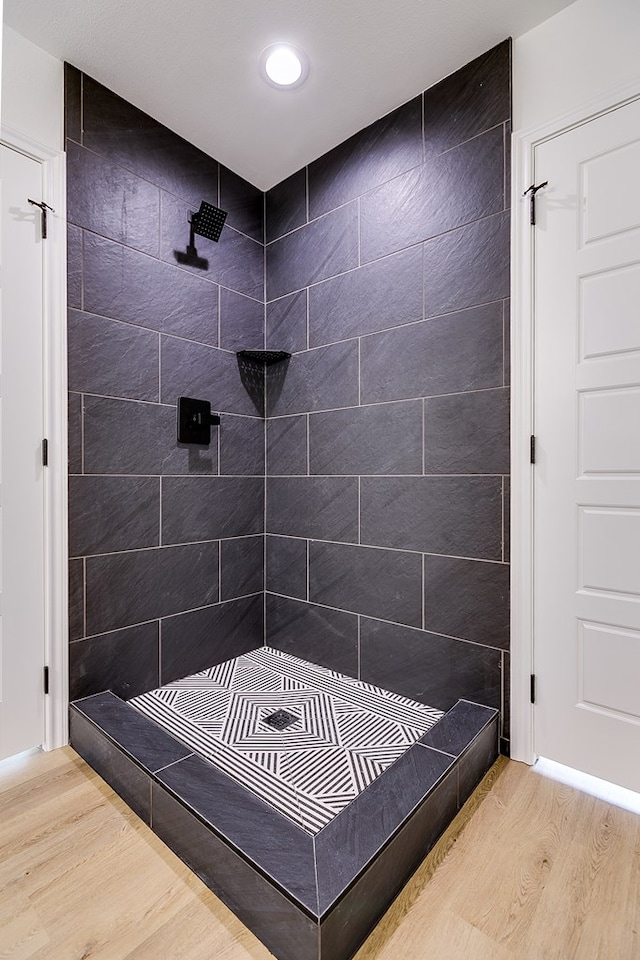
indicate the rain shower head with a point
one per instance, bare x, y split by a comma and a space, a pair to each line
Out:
208, 221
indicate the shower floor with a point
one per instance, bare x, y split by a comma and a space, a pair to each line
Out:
340, 733
306, 829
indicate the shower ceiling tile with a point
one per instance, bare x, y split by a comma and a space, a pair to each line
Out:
345, 735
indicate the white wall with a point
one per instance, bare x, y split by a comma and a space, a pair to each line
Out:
587, 50
32, 91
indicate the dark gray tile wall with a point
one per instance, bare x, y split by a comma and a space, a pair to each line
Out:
388, 436
166, 540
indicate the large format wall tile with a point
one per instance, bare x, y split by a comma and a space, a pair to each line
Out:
467, 266
323, 508
125, 135
194, 370
319, 379
380, 439
241, 567
211, 508
75, 433
112, 513
243, 203
74, 266
235, 261
124, 661
286, 205
469, 101
467, 433
467, 599
126, 285
327, 637
242, 446
106, 199
427, 667
194, 641
286, 571
321, 249
125, 436
381, 151
462, 185
287, 446
286, 321
383, 294
451, 354
241, 321
459, 516
111, 358
378, 583
76, 599
141, 585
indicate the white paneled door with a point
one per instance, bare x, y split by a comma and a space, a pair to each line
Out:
587, 423
21, 470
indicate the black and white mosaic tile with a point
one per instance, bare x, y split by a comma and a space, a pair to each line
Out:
341, 734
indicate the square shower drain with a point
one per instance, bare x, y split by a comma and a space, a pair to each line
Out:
281, 719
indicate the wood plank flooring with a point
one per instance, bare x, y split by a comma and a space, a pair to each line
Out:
529, 870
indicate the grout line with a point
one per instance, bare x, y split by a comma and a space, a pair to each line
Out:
308, 296
154, 403
359, 675
159, 652
166, 546
392, 623
308, 427
360, 371
378, 403
359, 234
502, 697
502, 520
371, 546
219, 571
170, 616
308, 556
84, 596
160, 368
422, 121
359, 510
173, 763
424, 592
424, 438
306, 197
160, 516
81, 433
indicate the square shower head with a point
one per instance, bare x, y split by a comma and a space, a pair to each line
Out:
208, 221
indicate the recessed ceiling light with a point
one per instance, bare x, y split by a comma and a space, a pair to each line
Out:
283, 65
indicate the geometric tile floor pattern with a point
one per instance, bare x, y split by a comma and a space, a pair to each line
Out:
345, 734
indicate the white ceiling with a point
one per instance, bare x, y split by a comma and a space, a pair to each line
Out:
194, 65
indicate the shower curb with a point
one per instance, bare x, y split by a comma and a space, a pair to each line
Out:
306, 897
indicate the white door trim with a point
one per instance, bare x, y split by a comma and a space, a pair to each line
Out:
522, 407
55, 425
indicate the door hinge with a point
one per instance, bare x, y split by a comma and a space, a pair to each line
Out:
533, 688
46, 679
43, 210
532, 449
45, 452
532, 190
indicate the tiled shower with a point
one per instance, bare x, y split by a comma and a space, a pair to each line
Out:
352, 507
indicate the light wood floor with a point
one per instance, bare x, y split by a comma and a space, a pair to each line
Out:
530, 870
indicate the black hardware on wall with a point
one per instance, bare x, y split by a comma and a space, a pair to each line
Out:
43, 210
195, 421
